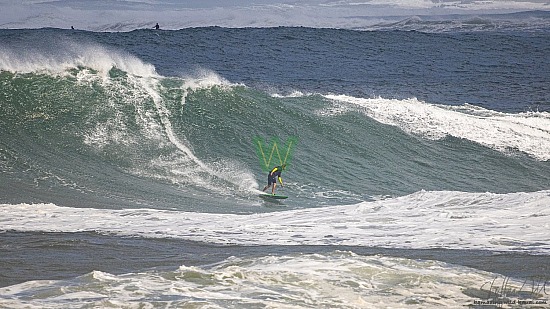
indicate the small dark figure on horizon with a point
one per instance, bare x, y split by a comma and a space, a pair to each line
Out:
157, 26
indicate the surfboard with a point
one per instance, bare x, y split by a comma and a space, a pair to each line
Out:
273, 196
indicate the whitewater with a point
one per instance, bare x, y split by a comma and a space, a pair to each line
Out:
513, 222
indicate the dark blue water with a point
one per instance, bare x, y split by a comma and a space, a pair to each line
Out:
499, 70
503, 71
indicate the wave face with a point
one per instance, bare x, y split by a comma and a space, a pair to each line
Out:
91, 125
104, 118
95, 134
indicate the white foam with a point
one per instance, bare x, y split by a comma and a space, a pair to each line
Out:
528, 132
486, 221
61, 56
292, 94
332, 280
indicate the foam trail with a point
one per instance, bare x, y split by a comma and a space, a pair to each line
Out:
528, 132
247, 181
149, 85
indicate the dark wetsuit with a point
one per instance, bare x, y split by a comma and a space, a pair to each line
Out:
274, 175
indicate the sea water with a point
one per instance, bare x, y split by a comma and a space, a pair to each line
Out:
129, 175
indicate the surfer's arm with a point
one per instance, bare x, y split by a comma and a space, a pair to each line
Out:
272, 171
281, 181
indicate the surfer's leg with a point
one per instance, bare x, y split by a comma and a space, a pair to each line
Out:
268, 183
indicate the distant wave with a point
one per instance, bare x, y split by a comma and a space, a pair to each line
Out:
525, 21
366, 15
528, 132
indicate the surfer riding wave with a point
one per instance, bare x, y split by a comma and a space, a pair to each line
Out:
273, 176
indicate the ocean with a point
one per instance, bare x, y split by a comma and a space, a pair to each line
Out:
417, 152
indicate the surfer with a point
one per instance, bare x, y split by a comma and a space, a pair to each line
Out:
157, 27
273, 176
